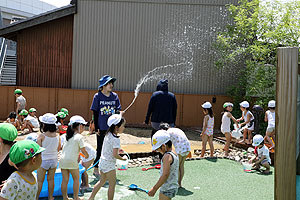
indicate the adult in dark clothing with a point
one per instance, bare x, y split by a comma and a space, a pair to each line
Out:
8, 133
105, 104
162, 107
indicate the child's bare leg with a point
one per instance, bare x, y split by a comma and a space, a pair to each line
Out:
227, 144
163, 197
50, 179
98, 185
211, 145
249, 136
85, 177
267, 166
41, 172
204, 141
75, 175
244, 136
64, 185
111, 177
181, 169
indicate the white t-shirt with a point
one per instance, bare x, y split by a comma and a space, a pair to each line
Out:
19, 188
271, 119
110, 142
179, 140
22, 101
225, 126
33, 121
70, 152
264, 151
91, 151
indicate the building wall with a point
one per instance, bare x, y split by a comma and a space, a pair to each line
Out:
78, 102
127, 39
45, 54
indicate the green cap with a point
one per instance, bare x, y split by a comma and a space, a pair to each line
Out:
18, 91
227, 104
24, 150
23, 112
61, 115
32, 110
8, 132
64, 110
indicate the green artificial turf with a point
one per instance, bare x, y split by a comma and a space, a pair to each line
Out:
217, 179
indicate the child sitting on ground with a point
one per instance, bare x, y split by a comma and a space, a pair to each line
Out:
168, 181
22, 184
12, 119
208, 129
30, 123
32, 112
109, 154
50, 140
262, 157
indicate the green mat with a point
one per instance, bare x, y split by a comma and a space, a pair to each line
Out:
217, 179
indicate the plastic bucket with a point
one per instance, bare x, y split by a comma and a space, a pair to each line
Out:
247, 167
123, 164
58, 181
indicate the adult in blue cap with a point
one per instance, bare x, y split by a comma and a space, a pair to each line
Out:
105, 104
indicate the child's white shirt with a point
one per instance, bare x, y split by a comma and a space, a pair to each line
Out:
110, 142
179, 140
264, 151
271, 119
19, 188
35, 123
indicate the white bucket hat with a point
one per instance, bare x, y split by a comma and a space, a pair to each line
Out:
272, 104
206, 105
48, 118
245, 104
77, 119
257, 139
159, 138
114, 119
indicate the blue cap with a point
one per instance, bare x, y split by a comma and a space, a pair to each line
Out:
105, 79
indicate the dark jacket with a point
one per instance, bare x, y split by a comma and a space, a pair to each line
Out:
162, 106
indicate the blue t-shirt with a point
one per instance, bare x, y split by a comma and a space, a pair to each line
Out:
106, 106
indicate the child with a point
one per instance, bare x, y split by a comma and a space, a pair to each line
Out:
109, 154
248, 118
262, 157
86, 163
12, 120
225, 126
69, 157
20, 100
50, 140
168, 181
64, 110
32, 112
61, 128
181, 144
26, 155
208, 129
270, 118
31, 123
92, 126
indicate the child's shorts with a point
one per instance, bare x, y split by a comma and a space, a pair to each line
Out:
170, 193
49, 164
105, 166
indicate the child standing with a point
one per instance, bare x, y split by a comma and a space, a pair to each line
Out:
61, 128
50, 140
69, 157
168, 181
20, 101
181, 144
26, 155
263, 157
225, 126
12, 119
109, 154
248, 118
270, 118
208, 129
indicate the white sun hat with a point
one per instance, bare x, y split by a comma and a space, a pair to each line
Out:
227, 104
77, 119
206, 105
245, 104
114, 119
48, 118
257, 139
159, 138
272, 104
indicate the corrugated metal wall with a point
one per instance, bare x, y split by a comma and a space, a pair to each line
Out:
45, 54
126, 39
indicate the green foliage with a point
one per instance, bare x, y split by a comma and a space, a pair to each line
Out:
250, 44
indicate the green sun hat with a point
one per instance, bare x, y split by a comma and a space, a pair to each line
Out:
227, 104
61, 115
8, 132
32, 110
18, 91
64, 110
23, 112
24, 150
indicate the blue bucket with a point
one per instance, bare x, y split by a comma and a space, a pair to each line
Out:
58, 181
